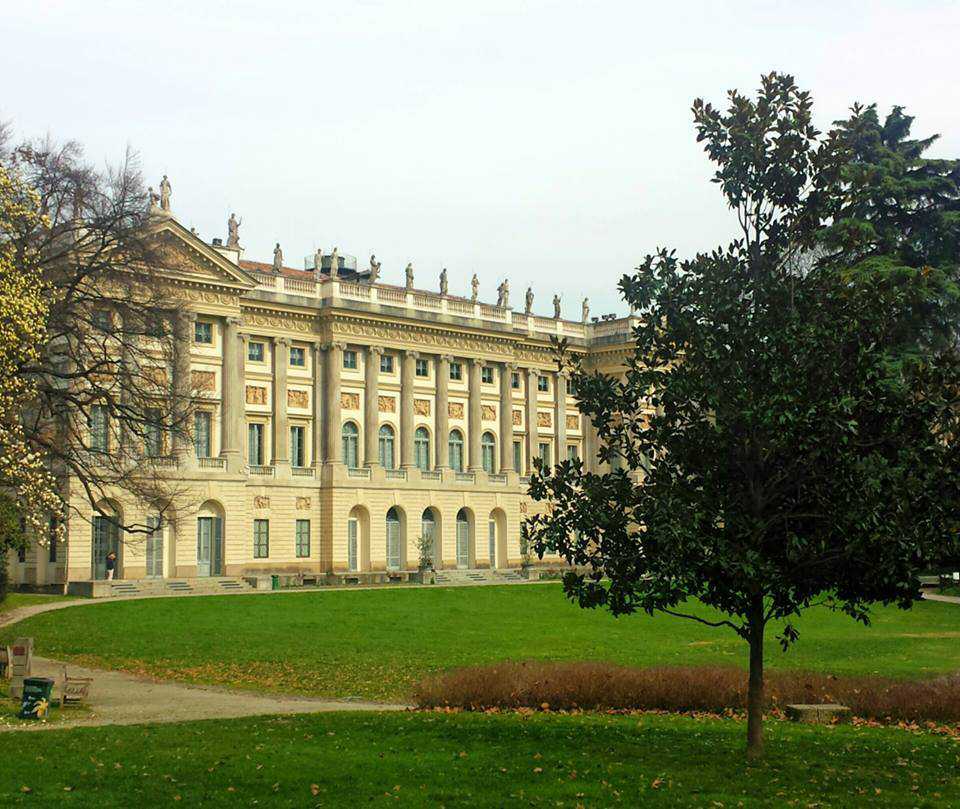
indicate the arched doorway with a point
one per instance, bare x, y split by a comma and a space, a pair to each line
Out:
105, 538
431, 534
358, 539
210, 539
464, 538
497, 538
394, 539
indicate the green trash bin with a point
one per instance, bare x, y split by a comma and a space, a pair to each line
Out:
37, 692
274, 582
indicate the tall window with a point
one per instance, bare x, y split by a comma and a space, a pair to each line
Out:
303, 538
518, 457
543, 383
99, 425
350, 359
428, 530
545, 452
515, 380
298, 357
487, 450
201, 433
421, 448
456, 371
353, 532
255, 352
261, 539
203, 332
255, 444
298, 452
386, 364
422, 368
153, 433
455, 447
573, 452
350, 435
486, 375
386, 446
393, 540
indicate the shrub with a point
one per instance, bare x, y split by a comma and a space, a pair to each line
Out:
604, 686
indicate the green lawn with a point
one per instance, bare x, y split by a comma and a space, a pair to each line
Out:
14, 601
376, 643
475, 760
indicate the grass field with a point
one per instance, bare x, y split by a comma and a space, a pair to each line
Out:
475, 760
377, 643
16, 600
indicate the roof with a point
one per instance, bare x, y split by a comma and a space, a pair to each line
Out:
288, 272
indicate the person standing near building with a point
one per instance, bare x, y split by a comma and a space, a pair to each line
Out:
111, 565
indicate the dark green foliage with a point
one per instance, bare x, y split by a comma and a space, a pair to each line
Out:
12, 538
791, 402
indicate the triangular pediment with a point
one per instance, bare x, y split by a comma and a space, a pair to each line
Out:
189, 258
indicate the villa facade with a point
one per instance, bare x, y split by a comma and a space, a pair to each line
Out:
338, 421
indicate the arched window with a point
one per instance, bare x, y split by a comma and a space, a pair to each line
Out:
393, 540
428, 531
456, 450
386, 446
487, 450
421, 448
350, 435
463, 538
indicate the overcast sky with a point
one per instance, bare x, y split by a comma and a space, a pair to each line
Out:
549, 142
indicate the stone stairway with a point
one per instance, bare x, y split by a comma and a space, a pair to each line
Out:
149, 587
478, 577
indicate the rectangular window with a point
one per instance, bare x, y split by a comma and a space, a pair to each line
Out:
350, 359
261, 539
571, 387
456, 370
201, 433
298, 357
22, 553
486, 376
386, 364
518, 456
153, 433
543, 383
255, 352
255, 444
298, 453
515, 381
545, 452
203, 332
423, 368
99, 425
573, 452
303, 538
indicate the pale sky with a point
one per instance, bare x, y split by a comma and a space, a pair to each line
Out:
548, 142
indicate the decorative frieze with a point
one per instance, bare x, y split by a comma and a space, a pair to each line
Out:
573, 422
544, 420
261, 502
455, 410
488, 413
350, 401
421, 407
517, 418
204, 381
386, 404
256, 395
303, 504
298, 398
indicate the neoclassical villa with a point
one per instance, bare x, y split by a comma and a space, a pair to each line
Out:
338, 421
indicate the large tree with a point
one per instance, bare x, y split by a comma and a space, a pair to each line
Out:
785, 431
104, 414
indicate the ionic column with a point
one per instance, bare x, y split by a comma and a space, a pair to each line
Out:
231, 386
331, 408
182, 385
532, 430
506, 417
443, 411
408, 366
317, 404
281, 430
371, 410
474, 416
241, 412
560, 417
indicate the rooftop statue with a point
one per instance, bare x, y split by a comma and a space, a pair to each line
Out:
474, 288
318, 262
335, 263
277, 259
556, 307
586, 310
154, 198
165, 194
443, 282
503, 294
374, 269
409, 272
233, 231
528, 308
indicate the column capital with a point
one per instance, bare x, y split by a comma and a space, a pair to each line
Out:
509, 366
414, 355
282, 341
377, 350
332, 345
476, 362
232, 321
446, 357
534, 371
243, 337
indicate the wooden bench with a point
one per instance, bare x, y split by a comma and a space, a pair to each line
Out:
74, 690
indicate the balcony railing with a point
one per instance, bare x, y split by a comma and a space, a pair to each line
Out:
395, 474
263, 471
303, 471
466, 477
497, 478
431, 474
358, 472
164, 461
211, 463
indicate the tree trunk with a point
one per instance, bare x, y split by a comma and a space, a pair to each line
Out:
755, 688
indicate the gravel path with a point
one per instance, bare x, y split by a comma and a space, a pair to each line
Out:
117, 698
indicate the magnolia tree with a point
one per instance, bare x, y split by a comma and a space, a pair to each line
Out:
785, 430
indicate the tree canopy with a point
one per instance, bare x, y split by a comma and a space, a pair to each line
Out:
785, 427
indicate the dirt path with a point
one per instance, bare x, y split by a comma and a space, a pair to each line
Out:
122, 699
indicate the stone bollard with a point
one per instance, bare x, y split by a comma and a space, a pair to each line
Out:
818, 714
